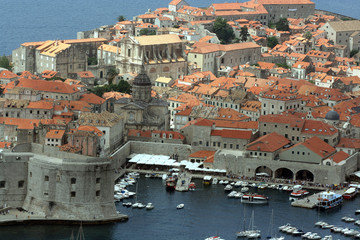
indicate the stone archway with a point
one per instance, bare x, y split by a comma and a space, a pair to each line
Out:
265, 170
304, 175
284, 173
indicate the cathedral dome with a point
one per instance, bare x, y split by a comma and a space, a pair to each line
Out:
332, 115
142, 79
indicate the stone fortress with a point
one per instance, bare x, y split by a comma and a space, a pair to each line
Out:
58, 185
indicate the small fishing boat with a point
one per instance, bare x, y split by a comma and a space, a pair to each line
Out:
192, 186
149, 206
350, 193
180, 206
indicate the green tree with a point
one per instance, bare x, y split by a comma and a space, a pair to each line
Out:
5, 63
223, 31
244, 34
353, 52
111, 74
282, 25
92, 61
307, 35
272, 42
146, 31
122, 86
121, 18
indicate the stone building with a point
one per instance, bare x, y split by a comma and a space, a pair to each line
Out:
57, 185
111, 124
343, 32
211, 57
64, 56
143, 111
162, 56
274, 101
155, 136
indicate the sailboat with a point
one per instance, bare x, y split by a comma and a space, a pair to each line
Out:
250, 233
271, 226
137, 204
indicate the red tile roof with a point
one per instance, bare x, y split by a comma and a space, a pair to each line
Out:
92, 98
56, 134
339, 156
349, 143
225, 133
202, 154
268, 143
7, 74
318, 146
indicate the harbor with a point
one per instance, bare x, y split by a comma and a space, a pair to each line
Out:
207, 212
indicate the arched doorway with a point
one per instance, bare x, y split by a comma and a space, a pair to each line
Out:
284, 173
305, 175
263, 171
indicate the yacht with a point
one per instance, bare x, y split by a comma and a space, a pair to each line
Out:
254, 198
228, 187
350, 193
328, 200
149, 206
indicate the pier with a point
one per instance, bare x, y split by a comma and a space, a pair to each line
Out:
183, 182
311, 201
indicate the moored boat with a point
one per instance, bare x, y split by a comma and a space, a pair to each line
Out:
254, 198
180, 206
170, 183
299, 193
350, 193
207, 180
329, 200
192, 186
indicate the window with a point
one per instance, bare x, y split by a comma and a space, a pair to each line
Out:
98, 193
2, 184
30, 174
21, 184
46, 178
98, 180
73, 194
73, 180
224, 145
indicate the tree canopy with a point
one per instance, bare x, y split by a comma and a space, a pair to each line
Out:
122, 86
146, 31
121, 18
5, 63
307, 35
223, 30
272, 42
244, 34
111, 74
282, 25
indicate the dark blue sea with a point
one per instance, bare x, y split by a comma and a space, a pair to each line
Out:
29, 20
207, 212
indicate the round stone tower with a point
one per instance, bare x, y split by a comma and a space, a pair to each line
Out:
141, 89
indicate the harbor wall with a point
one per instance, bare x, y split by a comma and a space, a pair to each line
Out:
340, 16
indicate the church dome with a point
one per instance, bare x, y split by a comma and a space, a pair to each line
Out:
142, 79
332, 115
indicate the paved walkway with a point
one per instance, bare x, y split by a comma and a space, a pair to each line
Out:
183, 182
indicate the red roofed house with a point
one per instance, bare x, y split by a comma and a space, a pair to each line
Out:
313, 150
6, 76
201, 156
86, 77
267, 147
98, 103
87, 139
54, 137
155, 136
174, 5
349, 145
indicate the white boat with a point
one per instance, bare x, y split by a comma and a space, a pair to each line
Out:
285, 188
238, 184
254, 185
232, 183
221, 182
298, 232
232, 194
226, 182
348, 219
135, 205
284, 226
214, 238
238, 195
147, 175
254, 198
164, 176
228, 187
351, 232
262, 186
357, 211
244, 189
244, 184
149, 206
127, 204
251, 233
327, 226
329, 200
180, 206
306, 235
140, 205
215, 181
314, 236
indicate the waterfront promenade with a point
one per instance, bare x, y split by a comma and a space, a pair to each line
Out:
13, 216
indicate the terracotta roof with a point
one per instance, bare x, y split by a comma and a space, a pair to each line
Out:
5, 144
205, 47
317, 146
86, 74
225, 133
268, 143
90, 129
44, 86
6, 74
349, 143
318, 127
41, 105
92, 98
339, 156
56, 134
21, 123
202, 154
158, 39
